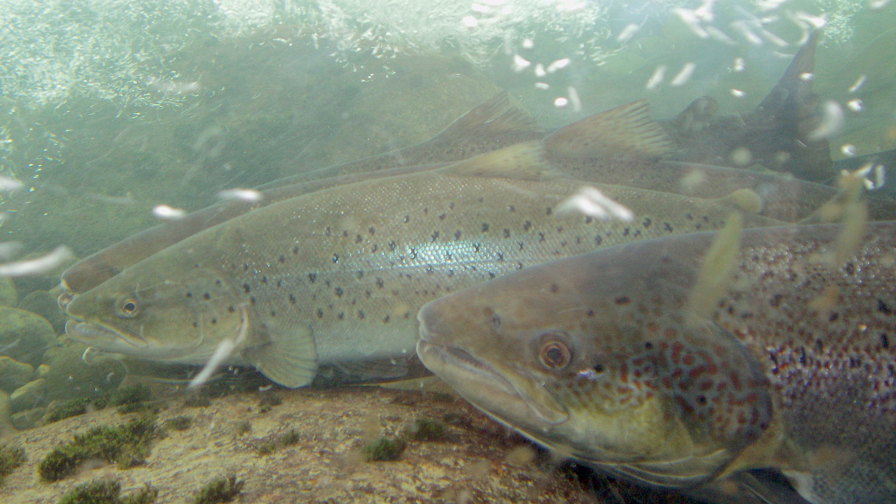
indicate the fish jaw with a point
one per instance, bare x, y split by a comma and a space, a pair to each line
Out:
104, 337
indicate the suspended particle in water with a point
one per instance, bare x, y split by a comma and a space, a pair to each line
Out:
168, 212
684, 75
739, 64
657, 78
807, 76
831, 121
248, 195
856, 105
848, 149
574, 99
561, 102
558, 65
627, 33
860, 81
520, 63
593, 203
737, 93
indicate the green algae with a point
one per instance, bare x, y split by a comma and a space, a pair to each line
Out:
126, 445
278, 441
426, 429
222, 489
383, 449
10, 458
180, 423
107, 492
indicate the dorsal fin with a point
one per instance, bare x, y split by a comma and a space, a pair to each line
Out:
519, 161
627, 129
496, 116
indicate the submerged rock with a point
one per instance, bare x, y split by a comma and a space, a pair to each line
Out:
29, 395
70, 377
44, 304
8, 294
24, 336
14, 374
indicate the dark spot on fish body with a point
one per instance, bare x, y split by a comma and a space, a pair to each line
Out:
335, 258
884, 340
527, 225
667, 227
457, 235
206, 296
647, 222
341, 316
282, 258
189, 294
359, 238
214, 321
548, 211
361, 315
833, 317
849, 268
292, 299
407, 218
623, 300
554, 288
295, 251
320, 313
485, 227
883, 308
247, 288
598, 239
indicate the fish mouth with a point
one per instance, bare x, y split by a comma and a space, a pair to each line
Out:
98, 335
501, 395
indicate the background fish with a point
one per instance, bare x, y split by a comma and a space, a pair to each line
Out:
490, 126
600, 358
338, 274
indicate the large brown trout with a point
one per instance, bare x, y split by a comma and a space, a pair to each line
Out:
337, 275
776, 352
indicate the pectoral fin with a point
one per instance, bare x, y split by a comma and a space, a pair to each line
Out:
288, 356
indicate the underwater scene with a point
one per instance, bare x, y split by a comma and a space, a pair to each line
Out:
412, 251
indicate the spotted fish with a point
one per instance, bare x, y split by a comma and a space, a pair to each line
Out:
337, 275
492, 125
619, 358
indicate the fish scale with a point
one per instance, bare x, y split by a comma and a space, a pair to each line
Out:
345, 269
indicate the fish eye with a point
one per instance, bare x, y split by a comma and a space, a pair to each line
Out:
127, 307
555, 354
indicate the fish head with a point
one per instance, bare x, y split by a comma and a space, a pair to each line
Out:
159, 309
580, 364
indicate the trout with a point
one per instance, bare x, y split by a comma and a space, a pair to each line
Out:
775, 351
622, 146
336, 276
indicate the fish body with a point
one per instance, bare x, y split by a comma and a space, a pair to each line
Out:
689, 155
601, 357
337, 275
490, 126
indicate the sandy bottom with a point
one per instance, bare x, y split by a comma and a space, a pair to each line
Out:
478, 461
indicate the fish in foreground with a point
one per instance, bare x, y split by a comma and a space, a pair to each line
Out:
619, 358
336, 276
